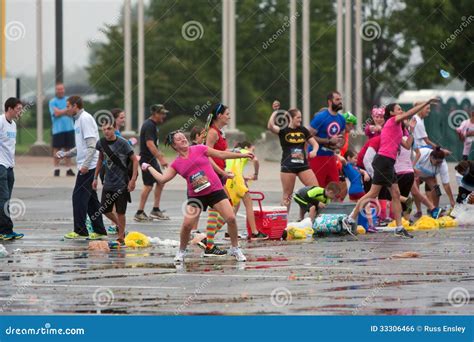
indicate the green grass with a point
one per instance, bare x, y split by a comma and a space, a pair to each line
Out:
26, 136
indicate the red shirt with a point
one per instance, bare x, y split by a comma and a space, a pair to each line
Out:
372, 142
221, 145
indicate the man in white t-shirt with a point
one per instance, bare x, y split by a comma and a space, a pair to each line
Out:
13, 109
430, 164
84, 198
419, 134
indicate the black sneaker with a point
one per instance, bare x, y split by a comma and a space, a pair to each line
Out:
227, 236
259, 236
214, 252
403, 233
70, 173
349, 226
56, 173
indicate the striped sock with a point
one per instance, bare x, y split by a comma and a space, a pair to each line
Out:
211, 227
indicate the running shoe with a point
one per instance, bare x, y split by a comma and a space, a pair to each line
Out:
159, 215
435, 213
11, 236
180, 255
237, 253
56, 173
89, 227
75, 236
417, 215
402, 232
227, 236
112, 230
259, 236
371, 229
214, 252
142, 217
95, 236
385, 222
117, 244
349, 225
70, 173
202, 244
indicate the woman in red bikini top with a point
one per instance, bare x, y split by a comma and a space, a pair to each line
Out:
215, 137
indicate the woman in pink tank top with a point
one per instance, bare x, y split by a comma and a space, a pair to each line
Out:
391, 140
204, 187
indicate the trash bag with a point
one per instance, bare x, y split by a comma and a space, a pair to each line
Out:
426, 222
3, 251
447, 222
165, 242
405, 223
329, 224
137, 240
236, 186
295, 233
101, 246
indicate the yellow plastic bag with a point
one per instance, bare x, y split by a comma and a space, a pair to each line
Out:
137, 240
236, 186
405, 223
426, 222
295, 233
447, 222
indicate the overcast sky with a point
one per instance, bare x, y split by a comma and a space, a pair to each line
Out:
82, 21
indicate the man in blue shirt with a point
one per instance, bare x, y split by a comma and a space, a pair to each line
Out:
328, 128
62, 128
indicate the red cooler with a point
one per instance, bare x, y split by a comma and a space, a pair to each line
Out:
270, 220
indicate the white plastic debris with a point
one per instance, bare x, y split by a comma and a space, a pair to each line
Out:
166, 242
3, 251
463, 213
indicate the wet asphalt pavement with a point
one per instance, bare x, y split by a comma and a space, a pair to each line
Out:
337, 275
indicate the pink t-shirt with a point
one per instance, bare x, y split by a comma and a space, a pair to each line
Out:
198, 172
404, 164
390, 138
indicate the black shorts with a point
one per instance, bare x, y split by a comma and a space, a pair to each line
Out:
118, 198
306, 206
384, 194
64, 140
208, 200
405, 182
147, 178
294, 169
384, 171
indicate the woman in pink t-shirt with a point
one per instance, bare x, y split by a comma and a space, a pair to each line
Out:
204, 187
384, 171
